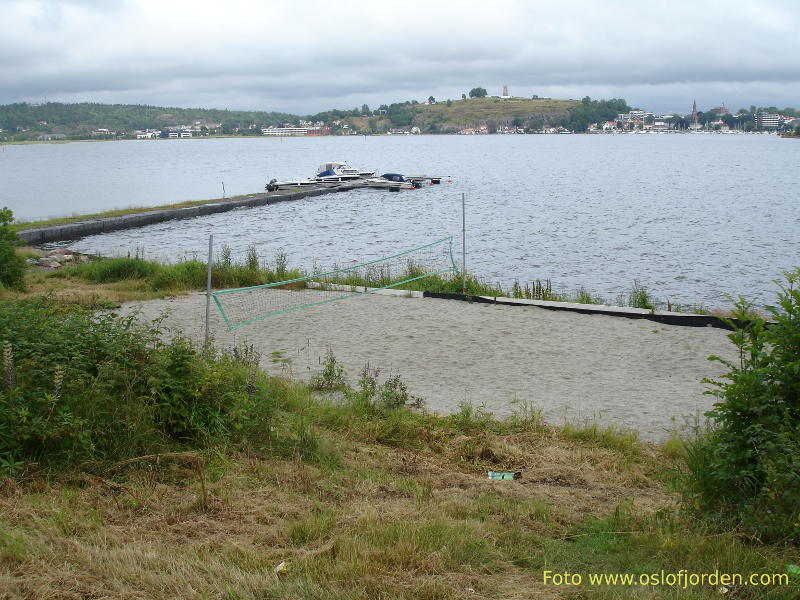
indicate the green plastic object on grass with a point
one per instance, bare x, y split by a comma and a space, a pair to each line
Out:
503, 476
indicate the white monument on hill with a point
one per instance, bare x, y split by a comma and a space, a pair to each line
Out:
505, 92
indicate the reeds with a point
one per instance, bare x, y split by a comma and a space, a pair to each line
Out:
411, 275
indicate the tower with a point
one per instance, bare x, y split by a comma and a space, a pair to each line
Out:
505, 91
695, 118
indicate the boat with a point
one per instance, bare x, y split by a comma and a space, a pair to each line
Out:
327, 174
338, 173
335, 172
275, 185
390, 181
431, 179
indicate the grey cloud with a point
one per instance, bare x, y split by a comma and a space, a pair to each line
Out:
308, 59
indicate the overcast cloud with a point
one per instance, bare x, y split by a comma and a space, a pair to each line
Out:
306, 56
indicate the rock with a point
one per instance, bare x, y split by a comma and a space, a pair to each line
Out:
48, 262
60, 252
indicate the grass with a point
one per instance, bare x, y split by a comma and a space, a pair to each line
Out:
356, 494
144, 279
468, 113
471, 113
389, 521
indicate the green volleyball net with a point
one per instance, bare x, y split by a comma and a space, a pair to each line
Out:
243, 306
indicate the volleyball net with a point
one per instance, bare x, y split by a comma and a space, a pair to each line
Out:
243, 306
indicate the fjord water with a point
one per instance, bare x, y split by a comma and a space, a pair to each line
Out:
692, 217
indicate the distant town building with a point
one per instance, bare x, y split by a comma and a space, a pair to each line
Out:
292, 131
767, 120
284, 130
318, 130
695, 124
634, 118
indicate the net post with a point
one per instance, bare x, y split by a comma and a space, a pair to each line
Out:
463, 245
208, 290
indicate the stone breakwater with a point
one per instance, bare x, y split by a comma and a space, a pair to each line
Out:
79, 229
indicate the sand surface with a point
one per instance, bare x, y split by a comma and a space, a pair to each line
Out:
632, 373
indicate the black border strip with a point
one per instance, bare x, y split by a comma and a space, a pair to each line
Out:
682, 320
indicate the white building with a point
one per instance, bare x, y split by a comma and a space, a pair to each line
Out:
767, 120
284, 130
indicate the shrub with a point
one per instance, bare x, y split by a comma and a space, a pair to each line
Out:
747, 468
332, 376
80, 386
12, 267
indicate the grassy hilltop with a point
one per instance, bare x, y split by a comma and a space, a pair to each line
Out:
468, 113
454, 115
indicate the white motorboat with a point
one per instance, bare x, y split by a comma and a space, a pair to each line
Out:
337, 173
334, 172
275, 185
390, 181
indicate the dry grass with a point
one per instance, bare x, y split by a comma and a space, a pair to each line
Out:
469, 113
72, 290
388, 523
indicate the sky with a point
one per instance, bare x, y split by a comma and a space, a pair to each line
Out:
306, 56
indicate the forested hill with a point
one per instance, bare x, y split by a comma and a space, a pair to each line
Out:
451, 116
54, 120
82, 118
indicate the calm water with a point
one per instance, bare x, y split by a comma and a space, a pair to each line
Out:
693, 217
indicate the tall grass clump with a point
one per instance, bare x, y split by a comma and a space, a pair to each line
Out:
117, 269
82, 386
414, 276
745, 472
372, 410
639, 297
183, 275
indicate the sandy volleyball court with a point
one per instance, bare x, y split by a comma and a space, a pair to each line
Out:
633, 373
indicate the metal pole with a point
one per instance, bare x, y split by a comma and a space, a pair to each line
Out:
463, 245
208, 288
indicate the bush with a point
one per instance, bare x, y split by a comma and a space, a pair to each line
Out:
12, 267
747, 468
81, 386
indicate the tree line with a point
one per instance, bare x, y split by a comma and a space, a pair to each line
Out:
79, 119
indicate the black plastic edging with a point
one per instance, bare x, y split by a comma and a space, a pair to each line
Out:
683, 320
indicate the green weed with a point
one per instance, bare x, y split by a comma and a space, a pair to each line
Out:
745, 470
